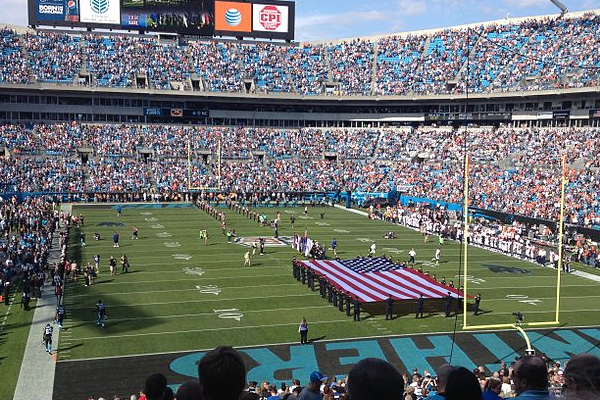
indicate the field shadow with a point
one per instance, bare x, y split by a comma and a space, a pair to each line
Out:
432, 307
312, 340
80, 301
71, 347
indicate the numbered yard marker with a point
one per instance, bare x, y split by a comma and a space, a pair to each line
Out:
157, 226
185, 257
194, 271
392, 250
521, 298
209, 289
365, 240
172, 245
164, 235
229, 313
472, 279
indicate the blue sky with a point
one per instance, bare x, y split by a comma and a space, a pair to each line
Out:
334, 19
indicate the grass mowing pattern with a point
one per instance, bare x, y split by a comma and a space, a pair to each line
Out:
13, 338
157, 307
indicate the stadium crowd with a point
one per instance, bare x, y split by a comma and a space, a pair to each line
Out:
222, 375
536, 54
512, 170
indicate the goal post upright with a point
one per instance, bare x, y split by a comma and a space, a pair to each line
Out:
556, 319
465, 238
561, 221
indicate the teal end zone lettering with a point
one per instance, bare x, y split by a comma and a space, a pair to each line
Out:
414, 357
498, 348
175, 388
187, 365
366, 348
302, 362
562, 350
594, 333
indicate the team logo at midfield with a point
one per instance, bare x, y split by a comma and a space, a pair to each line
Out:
99, 6
281, 241
500, 269
108, 223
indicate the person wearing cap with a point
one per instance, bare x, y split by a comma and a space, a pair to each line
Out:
476, 305
312, 391
389, 307
448, 301
356, 309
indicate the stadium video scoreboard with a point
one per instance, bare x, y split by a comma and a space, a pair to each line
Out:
270, 19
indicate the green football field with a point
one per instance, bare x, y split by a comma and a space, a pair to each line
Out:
183, 295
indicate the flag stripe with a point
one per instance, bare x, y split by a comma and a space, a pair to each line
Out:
345, 282
373, 280
427, 280
377, 288
414, 290
431, 290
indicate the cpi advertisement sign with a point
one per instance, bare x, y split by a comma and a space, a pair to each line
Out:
105, 12
270, 18
267, 19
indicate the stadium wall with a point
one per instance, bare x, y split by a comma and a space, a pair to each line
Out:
51, 102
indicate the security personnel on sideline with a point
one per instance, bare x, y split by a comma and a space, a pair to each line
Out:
448, 304
420, 306
477, 301
389, 308
356, 309
348, 304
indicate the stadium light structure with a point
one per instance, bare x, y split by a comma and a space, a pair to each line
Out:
563, 9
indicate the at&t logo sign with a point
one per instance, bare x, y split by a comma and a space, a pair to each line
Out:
270, 18
233, 17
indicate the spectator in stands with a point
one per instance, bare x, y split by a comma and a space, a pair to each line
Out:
462, 385
190, 390
530, 377
156, 388
312, 391
442, 380
582, 375
372, 378
492, 389
222, 374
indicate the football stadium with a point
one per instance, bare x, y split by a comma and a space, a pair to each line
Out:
196, 205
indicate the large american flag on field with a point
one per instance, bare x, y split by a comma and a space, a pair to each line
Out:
375, 279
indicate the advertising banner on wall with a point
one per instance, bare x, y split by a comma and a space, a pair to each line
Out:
270, 18
232, 16
57, 10
105, 12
